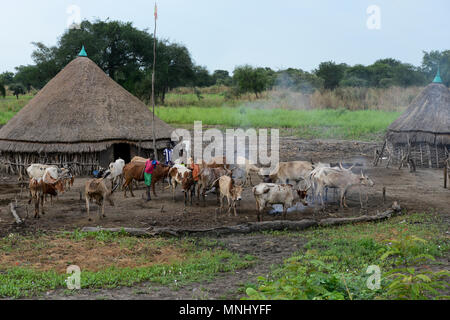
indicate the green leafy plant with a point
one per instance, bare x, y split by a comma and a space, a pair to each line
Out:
410, 283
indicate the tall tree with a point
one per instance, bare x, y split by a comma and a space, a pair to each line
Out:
434, 59
7, 77
17, 89
249, 79
123, 52
2, 90
331, 73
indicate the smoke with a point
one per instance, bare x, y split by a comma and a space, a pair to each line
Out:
287, 93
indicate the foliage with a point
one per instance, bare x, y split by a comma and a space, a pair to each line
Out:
331, 73
411, 284
249, 79
333, 262
408, 282
2, 90
7, 77
298, 80
434, 59
17, 89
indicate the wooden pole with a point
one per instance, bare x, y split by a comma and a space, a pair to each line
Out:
445, 175
155, 152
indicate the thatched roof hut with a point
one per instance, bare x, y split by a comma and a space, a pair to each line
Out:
81, 116
424, 126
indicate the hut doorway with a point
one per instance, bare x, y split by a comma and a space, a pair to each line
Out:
122, 150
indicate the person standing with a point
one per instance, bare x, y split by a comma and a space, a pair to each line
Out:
148, 171
168, 155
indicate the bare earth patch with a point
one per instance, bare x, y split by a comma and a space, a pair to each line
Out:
50, 253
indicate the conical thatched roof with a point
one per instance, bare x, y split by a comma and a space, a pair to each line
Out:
81, 110
427, 119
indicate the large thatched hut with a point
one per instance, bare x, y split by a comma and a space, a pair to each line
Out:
82, 118
423, 130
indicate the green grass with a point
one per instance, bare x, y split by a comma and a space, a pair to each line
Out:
333, 263
10, 105
212, 110
203, 261
322, 123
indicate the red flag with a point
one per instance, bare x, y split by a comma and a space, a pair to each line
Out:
156, 12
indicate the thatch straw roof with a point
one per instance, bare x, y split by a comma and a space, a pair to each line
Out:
81, 110
427, 119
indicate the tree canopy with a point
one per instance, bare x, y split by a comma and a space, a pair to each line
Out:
125, 53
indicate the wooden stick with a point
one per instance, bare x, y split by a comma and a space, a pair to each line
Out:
375, 163
250, 227
14, 213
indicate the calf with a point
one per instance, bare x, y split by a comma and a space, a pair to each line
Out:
39, 188
188, 186
271, 193
160, 172
176, 175
231, 191
95, 190
208, 179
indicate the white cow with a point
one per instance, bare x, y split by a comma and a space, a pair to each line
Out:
339, 178
271, 193
116, 172
36, 170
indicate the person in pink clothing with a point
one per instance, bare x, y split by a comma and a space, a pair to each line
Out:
148, 171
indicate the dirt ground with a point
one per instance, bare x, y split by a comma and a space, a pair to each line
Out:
421, 191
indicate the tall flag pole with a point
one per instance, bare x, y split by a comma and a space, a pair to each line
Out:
155, 151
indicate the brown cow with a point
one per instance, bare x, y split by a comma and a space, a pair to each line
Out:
39, 188
135, 171
97, 191
132, 171
231, 191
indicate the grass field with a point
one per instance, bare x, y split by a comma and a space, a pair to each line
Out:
213, 110
319, 123
10, 105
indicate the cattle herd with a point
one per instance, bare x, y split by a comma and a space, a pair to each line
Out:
288, 180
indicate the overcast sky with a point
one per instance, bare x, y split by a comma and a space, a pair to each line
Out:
221, 34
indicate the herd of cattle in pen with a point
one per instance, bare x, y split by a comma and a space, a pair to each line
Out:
289, 180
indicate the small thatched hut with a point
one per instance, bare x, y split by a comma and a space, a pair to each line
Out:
82, 118
424, 128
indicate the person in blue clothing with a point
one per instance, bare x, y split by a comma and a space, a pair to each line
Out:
168, 155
